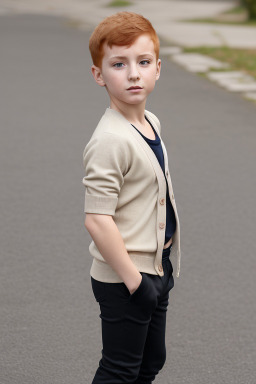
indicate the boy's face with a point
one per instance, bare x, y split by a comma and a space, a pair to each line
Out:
129, 73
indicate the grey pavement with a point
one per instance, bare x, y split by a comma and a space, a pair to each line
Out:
49, 106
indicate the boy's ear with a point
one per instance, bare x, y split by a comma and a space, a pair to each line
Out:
158, 69
97, 74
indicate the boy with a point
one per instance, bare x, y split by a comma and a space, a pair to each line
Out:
130, 209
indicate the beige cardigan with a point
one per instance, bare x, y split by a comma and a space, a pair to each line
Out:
124, 179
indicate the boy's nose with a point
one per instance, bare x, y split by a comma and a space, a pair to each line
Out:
134, 74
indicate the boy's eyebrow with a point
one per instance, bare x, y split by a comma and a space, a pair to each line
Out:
125, 57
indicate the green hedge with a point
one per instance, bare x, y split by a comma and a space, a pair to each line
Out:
251, 7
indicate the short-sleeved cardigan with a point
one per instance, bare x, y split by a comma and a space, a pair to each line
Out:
124, 179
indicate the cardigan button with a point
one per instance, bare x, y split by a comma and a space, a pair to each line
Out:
160, 268
161, 225
172, 196
162, 201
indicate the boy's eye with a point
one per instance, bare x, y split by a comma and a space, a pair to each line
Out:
145, 62
118, 65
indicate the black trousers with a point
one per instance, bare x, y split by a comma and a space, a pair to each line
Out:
133, 328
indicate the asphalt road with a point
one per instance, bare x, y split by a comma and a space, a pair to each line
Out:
49, 107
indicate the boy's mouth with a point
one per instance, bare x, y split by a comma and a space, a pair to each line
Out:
134, 88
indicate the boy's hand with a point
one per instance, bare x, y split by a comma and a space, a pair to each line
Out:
134, 284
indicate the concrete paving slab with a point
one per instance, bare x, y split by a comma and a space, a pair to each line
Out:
197, 68
245, 80
234, 81
250, 95
196, 62
225, 75
168, 51
238, 87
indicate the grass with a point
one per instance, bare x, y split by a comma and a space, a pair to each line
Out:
239, 59
119, 3
235, 10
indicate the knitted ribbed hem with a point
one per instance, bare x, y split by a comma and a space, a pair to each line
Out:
102, 271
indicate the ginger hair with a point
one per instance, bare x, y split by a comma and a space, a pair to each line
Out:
122, 29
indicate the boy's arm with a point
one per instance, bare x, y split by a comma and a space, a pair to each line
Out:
109, 242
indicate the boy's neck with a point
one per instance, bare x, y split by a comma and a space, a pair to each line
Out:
133, 113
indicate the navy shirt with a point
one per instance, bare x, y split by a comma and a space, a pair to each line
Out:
170, 227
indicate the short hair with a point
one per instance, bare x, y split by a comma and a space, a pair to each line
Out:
122, 29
